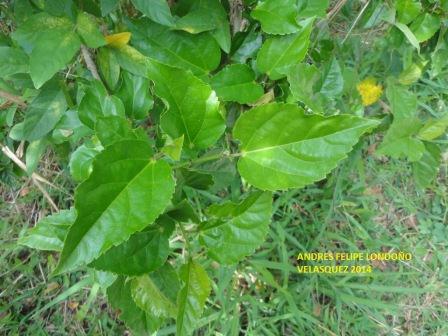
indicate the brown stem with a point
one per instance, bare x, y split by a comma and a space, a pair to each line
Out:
89, 62
12, 98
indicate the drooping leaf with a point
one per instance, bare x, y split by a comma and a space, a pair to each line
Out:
279, 53
54, 49
191, 299
403, 103
119, 296
13, 61
400, 140
156, 293
125, 192
425, 170
283, 148
42, 114
81, 161
156, 10
193, 108
237, 229
144, 252
135, 95
49, 233
109, 67
236, 82
198, 53
98, 103
277, 16
89, 31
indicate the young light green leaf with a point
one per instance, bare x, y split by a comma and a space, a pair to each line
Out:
193, 108
283, 148
125, 192
109, 67
81, 160
135, 94
156, 293
119, 296
277, 16
88, 30
131, 60
279, 53
156, 10
237, 229
49, 233
198, 53
425, 170
13, 61
54, 49
173, 148
144, 252
42, 114
236, 82
191, 299
433, 128
400, 141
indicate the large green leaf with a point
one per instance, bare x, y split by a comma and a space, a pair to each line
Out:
98, 103
41, 115
119, 296
279, 53
236, 82
282, 147
191, 299
193, 108
303, 78
135, 94
144, 252
126, 192
198, 53
89, 31
13, 61
53, 50
403, 103
400, 140
425, 26
49, 233
277, 16
216, 11
425, 170
156, 10
156, 293
237, 229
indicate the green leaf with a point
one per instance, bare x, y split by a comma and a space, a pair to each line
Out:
425, 26
107, 6
126, 192
408, 10
425, 170
13, 61
302, 79
197, 21
191, 299
193, 108
409, 35
131, 60
54, 49
236, 82
156, 10
49, 233
136, 96
173, 148
310, 8
89, 31
70, 128
119, 296
403, 103
198, 53
400, 142
42, 114
332, 81
238, 228
277, 16
144, 252
109, 67
113, 129
279, 53
156, 293
81, 161
98, 103
433, 129
248, 46
34, 152
411, 74
283, 148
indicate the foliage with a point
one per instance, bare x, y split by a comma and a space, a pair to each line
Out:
175, 113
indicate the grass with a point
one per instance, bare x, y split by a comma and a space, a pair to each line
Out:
367, 205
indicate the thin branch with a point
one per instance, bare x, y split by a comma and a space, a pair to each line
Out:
12, 98
89, 62
37, 179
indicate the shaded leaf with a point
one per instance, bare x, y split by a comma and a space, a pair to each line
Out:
135, 95
425, 170
109, 67
13, 61
156, 10
425, 26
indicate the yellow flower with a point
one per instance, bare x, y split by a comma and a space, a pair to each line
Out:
370, 91
118, 40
